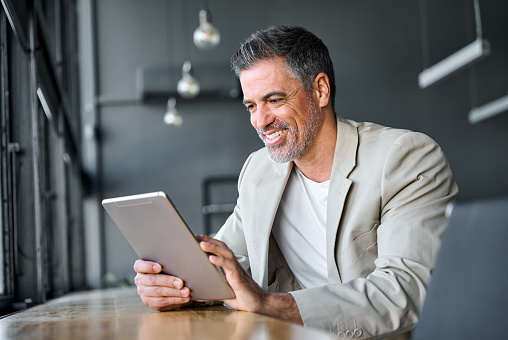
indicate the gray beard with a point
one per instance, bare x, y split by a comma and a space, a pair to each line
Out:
293, 148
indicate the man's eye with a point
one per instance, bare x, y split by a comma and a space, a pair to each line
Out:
250, 108
274, 101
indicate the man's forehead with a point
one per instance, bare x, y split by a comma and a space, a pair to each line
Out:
264, 78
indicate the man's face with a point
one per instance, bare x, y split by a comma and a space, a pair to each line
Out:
286, 117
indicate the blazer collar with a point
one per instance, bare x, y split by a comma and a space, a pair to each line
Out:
266, 199
346, 147
344, 161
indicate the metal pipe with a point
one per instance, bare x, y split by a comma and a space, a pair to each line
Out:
7, 210
36, 159
15, 24
14, 149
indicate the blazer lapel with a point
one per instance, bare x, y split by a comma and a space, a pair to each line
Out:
267, 196
343, 163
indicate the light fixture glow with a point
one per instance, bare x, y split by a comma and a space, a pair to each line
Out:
206, 36
44, 104
172, 117
475, 51
488, 110
188, 87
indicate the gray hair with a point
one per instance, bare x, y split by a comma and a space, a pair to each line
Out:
305, 54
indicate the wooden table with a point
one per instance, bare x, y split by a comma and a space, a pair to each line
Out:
120, 314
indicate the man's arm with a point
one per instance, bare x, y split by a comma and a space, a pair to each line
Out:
282, 306
164, 292
249, 296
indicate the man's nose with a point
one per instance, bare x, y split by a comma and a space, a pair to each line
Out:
262, 117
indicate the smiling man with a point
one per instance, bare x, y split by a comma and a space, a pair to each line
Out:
287, 119
294, 124
338, 223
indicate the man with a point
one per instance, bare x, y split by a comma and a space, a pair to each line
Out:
337, 223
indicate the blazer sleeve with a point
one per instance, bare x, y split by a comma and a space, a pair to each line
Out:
416, 187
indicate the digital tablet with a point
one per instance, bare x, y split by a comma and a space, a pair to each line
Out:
158, 233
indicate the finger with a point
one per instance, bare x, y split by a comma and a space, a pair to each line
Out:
161, 280
224, 263
164, 303
163, 292
216, 247
206, 238
147, 267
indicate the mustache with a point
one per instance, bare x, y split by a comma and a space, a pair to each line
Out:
275, 125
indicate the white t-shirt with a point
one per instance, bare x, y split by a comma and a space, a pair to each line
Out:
300, 229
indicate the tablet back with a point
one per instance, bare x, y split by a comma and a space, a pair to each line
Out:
157, 232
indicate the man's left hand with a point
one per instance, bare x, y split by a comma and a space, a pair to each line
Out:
249, 296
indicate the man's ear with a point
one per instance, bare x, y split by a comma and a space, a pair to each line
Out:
322, 89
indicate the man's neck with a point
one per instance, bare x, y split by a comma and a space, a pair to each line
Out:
316, 164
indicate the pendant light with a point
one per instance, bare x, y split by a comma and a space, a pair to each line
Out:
172, 117
206, 36
188, 87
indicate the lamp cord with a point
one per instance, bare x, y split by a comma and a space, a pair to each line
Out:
478, 20
188, 39
424, 34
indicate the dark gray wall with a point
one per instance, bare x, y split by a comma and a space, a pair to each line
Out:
377, 50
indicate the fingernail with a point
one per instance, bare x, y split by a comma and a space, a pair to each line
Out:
185, 292
156, 268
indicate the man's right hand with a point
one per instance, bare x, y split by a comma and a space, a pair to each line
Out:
159, 291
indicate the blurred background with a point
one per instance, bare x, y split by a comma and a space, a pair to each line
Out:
85, 90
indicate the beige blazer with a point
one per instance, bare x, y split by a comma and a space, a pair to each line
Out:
389, 189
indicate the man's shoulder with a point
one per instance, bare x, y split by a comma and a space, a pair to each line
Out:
376, 143
380, 135
374, 130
